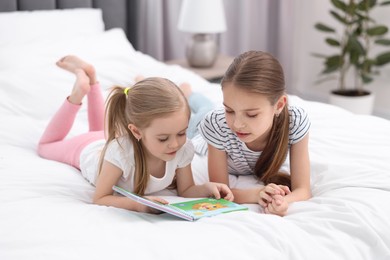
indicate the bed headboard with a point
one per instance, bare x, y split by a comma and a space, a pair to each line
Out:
116, 13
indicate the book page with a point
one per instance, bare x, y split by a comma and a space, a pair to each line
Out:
208, 207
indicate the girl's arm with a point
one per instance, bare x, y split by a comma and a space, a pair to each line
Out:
218, 172
104, 195
250, 196
217, 165
299, 171
187, 188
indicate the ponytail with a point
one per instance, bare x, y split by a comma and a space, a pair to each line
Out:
117, 125
275, 152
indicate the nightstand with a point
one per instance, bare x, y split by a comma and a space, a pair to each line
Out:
212, 74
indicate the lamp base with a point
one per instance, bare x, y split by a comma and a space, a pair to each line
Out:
201, 51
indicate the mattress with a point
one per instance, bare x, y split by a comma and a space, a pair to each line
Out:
46, 207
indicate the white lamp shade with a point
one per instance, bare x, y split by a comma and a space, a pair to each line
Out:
202, 16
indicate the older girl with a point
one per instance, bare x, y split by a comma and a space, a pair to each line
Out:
255, 130
145, 149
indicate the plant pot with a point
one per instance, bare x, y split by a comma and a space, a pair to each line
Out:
354, 101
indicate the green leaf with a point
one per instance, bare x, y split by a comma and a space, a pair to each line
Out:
366, 66
339, 4
334, 60
369, 63
354, 57
366, 5
383, 59
338, 17
383, 41
323, 27
377, 30
332, 42
319, 55
355, 45
385, 3
332, 63
351, 8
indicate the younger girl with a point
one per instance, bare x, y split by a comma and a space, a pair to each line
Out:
255, 131
146, 148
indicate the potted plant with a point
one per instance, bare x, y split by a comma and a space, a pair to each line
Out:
353, 60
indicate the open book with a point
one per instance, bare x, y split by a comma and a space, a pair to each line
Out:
189, 210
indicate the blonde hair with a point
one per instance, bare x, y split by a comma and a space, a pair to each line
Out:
259, 72
147, 100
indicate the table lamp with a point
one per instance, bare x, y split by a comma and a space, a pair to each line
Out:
202, 18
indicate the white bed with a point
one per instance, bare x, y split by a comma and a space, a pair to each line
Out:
46, 210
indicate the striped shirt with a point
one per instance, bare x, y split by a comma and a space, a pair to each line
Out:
242, 160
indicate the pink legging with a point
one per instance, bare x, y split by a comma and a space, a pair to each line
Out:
53, 144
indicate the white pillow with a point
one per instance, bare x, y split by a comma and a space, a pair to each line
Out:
27, 26
107, 44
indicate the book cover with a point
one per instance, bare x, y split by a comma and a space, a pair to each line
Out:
189, 210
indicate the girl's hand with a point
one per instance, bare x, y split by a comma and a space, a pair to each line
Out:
266, 194
218, 190
146, 209
278, 206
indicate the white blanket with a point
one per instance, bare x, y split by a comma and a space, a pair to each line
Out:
46, 210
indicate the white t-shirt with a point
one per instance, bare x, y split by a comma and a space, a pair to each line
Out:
241, 160
120, 152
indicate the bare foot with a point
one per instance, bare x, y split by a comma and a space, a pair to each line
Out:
186, 88
139, 78
80, 88
73, 63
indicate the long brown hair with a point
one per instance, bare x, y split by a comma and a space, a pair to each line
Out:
259, 72
147, 100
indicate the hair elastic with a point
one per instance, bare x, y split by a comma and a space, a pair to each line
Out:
126, 91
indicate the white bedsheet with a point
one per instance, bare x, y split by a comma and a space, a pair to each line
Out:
46, 210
